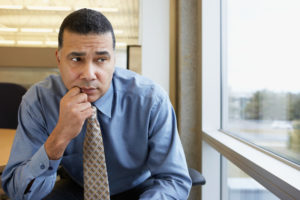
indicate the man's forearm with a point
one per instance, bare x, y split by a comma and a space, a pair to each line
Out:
55, 145
32, 179
167, 189
21, 186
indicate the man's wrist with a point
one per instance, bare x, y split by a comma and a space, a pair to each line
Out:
55, 145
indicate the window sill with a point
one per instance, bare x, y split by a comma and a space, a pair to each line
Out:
279, 177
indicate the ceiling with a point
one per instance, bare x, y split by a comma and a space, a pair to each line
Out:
36, 22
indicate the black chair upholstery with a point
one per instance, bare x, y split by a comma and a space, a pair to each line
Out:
11, 96
197, 177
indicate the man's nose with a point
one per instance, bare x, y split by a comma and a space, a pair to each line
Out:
88, 72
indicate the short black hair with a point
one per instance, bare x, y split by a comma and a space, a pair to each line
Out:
85, 21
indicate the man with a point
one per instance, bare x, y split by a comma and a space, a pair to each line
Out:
144, 156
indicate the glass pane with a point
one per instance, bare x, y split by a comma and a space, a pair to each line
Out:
261, 67
239, 186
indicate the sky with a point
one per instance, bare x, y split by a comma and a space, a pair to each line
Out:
261, 42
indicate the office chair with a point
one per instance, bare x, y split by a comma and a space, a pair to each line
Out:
11, 96
197, 177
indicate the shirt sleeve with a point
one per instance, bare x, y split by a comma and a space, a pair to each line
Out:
166, 161
28, 159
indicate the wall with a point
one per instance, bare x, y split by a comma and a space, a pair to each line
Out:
26, 65
189, 84
27, 57
121, 58
154, 38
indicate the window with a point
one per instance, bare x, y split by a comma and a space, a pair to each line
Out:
261, 93
239, 186
36, 23
276, 174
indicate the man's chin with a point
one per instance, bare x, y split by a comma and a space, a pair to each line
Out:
92, 98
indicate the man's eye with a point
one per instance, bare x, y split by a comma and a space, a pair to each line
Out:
76, 59
101, 59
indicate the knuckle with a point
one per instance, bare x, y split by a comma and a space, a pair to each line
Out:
73, 111
75, 89
84, 96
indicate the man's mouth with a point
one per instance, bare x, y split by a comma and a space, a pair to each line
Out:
88, 90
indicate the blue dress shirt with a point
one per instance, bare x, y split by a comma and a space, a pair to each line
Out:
140, 138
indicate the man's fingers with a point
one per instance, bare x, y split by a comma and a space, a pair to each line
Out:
81, 98
84, 106
77, 98
73, 91
78, 108
87, 113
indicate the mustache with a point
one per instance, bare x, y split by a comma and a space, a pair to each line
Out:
87, 85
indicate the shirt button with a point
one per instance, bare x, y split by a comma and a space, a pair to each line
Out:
50, 168
42, 166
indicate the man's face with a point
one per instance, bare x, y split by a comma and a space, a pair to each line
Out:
87, 62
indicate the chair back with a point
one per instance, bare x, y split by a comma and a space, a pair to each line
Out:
10, 99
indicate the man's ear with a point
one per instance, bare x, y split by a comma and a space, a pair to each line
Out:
115, 57
57, 54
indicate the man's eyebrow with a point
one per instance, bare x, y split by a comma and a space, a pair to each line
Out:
104, 53
76, 54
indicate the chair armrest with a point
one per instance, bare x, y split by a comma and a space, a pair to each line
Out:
197, 178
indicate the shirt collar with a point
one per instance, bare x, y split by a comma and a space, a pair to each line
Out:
104, 104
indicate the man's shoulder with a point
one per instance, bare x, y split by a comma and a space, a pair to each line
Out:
131, 83
50, 86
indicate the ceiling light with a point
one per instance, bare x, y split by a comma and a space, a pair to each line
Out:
37, 30
26, 42
7, 42
49, 8
12, 7
3, 29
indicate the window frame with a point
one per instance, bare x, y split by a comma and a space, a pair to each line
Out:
282, 180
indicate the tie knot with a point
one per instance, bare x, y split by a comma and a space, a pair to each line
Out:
94, 116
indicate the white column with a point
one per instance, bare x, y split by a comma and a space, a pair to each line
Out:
154, 38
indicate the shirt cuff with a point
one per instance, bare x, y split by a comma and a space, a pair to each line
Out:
41, 165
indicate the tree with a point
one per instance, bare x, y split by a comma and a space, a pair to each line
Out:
267, 105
